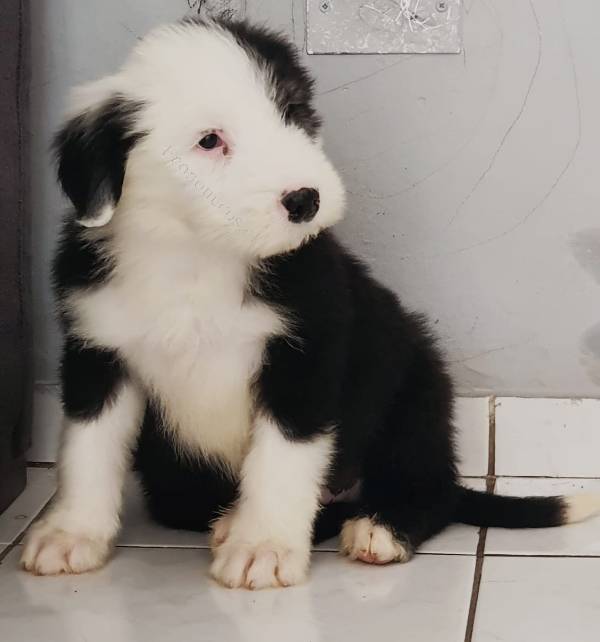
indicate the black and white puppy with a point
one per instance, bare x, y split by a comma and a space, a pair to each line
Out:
214, 327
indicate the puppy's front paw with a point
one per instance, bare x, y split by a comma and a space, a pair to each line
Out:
240, 564
50, 550
365, 540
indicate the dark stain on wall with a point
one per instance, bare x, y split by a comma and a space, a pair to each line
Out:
585, 246
590, 352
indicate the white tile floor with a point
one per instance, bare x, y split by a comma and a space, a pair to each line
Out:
547, 437
534, 586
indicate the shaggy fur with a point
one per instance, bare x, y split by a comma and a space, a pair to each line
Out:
211, 316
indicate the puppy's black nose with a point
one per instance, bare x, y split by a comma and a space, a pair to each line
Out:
302, 204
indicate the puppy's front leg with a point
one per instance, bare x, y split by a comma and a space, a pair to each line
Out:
103, 413
266, 540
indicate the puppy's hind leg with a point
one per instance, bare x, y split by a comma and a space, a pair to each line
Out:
103, 409
409, 490
390, 528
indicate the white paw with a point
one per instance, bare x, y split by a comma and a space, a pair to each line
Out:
51, 551
364, 540
239, 564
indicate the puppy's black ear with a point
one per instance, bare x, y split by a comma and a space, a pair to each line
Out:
92, 150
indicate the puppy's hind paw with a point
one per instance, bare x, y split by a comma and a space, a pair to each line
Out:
365, 540
219, 530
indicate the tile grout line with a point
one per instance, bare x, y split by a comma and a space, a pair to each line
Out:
546, 555
202, 547
476, 584
480, 557
545, 477
180, 547
492, 437
490, 484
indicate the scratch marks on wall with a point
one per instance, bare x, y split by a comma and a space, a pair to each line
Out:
383, 26
577, 144
365, 77
468, 6
514, 121
555, 183
447, 129
130, 30
485, 353
225, 8
570, 158
470, 380
196, 5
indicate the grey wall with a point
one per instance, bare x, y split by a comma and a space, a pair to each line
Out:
473, 179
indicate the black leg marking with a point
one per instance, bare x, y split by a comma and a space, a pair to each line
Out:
91, 377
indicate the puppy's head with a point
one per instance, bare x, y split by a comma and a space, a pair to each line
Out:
207, 130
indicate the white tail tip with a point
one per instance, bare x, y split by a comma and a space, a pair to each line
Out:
580, 507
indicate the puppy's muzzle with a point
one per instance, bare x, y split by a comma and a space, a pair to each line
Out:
302, 204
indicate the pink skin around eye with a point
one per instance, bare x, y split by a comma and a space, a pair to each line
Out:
213, 143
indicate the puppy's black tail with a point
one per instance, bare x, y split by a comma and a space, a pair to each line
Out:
484, 509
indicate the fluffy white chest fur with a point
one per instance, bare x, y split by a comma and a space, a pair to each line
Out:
179, 314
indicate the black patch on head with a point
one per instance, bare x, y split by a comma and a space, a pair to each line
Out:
92, 151
275, 55
80, 261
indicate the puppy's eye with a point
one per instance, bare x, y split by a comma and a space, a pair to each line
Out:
211, 141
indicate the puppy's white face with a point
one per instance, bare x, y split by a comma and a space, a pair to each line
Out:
221, 138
